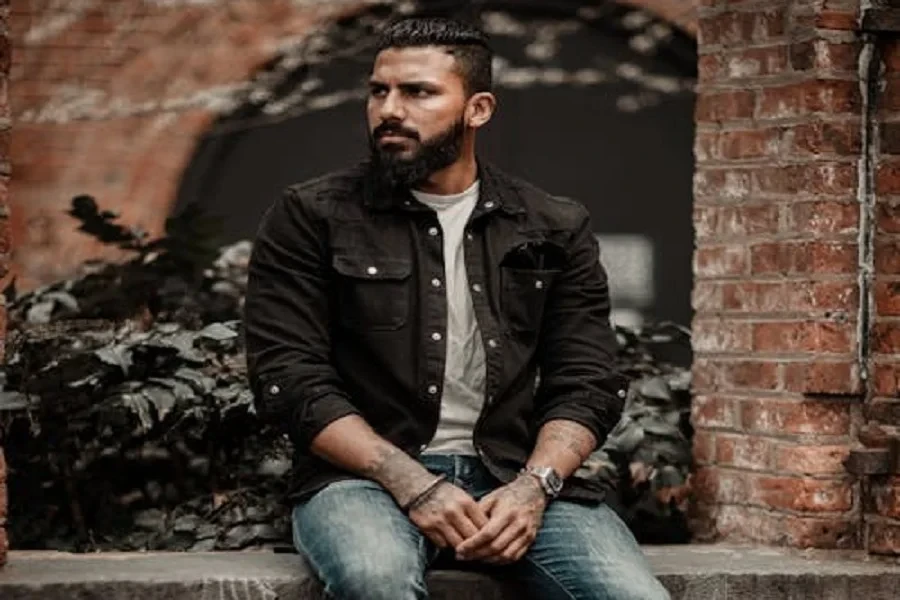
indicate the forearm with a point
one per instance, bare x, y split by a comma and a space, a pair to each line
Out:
350, 443
563, 445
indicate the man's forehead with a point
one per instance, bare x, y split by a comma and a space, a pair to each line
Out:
416, 63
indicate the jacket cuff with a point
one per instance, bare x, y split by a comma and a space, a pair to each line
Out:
599, 415
315, 415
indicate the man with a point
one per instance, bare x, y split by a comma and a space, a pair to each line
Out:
434, 337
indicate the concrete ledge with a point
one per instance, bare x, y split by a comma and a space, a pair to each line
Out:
689, 572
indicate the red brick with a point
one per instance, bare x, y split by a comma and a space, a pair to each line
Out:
779, 416
704, 447
837, 19
890, 55
722, 184
706, 145
706, 375
836, 179
887, 298
888, 216
772, 297
706, 297
817, 95
883, 538
750, 374
823, 217
886, 496
811, 460
807, 495
822, 378
724, 106
816, 138
837, 57
720, 261
4, 498
782, 258
730, 222
720, 335
886, 337
712, 411
803, 336
883, 410
887, 178
742, 451
755, 62
886, 379
749, 143
709, 67
887, 257
729, 28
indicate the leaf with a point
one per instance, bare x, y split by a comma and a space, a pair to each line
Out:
14, 401
118, 355
161, 399
218, 332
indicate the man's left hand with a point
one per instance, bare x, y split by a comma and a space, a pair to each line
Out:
514, 512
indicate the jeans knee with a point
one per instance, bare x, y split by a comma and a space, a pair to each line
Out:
378, 580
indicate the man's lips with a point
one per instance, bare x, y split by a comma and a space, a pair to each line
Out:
391, 138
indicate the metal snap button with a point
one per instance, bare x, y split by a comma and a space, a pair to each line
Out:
372, 270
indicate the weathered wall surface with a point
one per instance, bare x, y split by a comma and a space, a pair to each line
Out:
796, 270
110, 98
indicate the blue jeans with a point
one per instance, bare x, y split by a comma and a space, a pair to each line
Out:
362, 546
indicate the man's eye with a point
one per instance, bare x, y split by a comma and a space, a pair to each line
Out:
378, 92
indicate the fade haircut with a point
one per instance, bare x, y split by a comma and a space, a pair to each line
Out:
468, 45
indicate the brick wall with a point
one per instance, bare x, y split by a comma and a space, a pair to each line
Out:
5, 49
882, 411
783, 341
110, 98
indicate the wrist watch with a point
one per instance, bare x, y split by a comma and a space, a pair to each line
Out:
549, 479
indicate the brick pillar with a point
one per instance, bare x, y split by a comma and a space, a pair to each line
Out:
882, 410
5, 51
778, 387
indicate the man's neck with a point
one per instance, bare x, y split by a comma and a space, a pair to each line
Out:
454, 179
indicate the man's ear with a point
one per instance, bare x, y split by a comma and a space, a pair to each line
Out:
480, 109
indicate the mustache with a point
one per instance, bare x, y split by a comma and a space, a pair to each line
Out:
395, 130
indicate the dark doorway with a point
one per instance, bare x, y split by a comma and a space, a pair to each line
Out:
596, 106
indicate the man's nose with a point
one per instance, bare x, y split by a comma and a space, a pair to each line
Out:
392, 107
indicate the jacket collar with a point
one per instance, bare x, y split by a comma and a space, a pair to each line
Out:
496, 193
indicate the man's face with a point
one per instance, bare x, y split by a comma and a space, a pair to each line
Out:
416, 111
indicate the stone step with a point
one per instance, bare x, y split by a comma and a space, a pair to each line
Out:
696, 572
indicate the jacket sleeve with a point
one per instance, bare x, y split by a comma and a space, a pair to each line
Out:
287, 322
577, 346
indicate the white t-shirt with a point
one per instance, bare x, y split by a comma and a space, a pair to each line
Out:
464, 374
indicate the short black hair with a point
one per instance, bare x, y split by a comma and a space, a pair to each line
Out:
465, 41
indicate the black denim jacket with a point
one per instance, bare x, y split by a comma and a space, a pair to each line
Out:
346, 288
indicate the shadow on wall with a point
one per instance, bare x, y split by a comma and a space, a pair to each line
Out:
595, 104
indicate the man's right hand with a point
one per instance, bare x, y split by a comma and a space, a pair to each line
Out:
448, 516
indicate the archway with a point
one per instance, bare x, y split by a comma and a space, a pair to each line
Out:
595, 104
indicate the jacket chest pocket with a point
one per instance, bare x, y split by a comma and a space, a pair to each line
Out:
524, 295
373, 293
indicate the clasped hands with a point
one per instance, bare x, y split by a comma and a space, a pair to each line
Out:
498, 529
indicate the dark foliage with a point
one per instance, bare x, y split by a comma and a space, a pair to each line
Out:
128, 425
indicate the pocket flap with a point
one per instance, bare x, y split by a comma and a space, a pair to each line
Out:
371, 267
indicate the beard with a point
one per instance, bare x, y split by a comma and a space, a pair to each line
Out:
397, 171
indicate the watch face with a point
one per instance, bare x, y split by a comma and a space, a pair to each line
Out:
554, 481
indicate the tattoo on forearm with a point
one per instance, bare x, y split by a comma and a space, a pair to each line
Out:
571, 436
396, 471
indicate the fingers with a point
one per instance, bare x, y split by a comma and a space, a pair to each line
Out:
462, 524
476, 514
513, 552
495, 525
495, 547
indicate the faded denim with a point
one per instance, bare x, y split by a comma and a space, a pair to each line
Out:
362, 547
